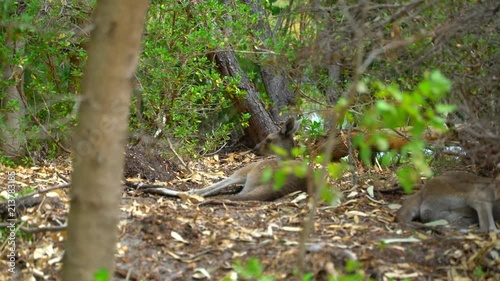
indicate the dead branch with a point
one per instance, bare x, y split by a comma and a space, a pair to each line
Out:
56, 228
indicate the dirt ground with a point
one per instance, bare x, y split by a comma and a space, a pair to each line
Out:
184, 239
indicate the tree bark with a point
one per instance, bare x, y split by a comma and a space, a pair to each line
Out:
261, 123
100, 138
273, 76
276, 85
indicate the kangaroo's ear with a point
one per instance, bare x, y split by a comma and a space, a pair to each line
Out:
291, 126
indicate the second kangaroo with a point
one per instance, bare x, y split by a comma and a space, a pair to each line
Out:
251, 176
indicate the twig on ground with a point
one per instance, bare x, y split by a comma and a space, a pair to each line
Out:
30, 230
177, 155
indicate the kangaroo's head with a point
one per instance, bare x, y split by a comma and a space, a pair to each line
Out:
282, 139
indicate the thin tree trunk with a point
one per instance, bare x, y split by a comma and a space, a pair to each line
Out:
274, 76
100, 138
261, 123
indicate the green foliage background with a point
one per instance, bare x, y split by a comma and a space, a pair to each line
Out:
180, 95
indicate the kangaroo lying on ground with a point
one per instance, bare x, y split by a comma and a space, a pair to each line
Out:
250, 176
460, 198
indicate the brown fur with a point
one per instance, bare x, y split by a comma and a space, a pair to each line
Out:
460, 198
250, 176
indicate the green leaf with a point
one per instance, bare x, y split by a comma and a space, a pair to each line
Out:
441, 85
380, 142
341, 104
307, 276
407, 177
280, 151
425, 88
388, 158
298, 151
382, 105
267, 174
395, 93
101, 275
279, 178
336, 170
366, 153
478, 272
352, 265
326, 194
445, 108
301, 170
254, 267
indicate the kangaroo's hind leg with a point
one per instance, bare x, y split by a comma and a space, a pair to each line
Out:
238, 177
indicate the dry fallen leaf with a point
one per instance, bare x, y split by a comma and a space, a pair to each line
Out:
401, 240
191, 198
201, 273
178, 237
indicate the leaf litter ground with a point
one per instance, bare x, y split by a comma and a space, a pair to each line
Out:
183, 239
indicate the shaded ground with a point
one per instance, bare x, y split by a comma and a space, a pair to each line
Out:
175, 239
142, 161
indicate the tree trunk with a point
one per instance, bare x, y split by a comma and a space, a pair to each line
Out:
100, 138
13, 110
273, 76
276, 85
261, 123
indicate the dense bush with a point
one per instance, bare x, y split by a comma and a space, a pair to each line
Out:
326, 50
